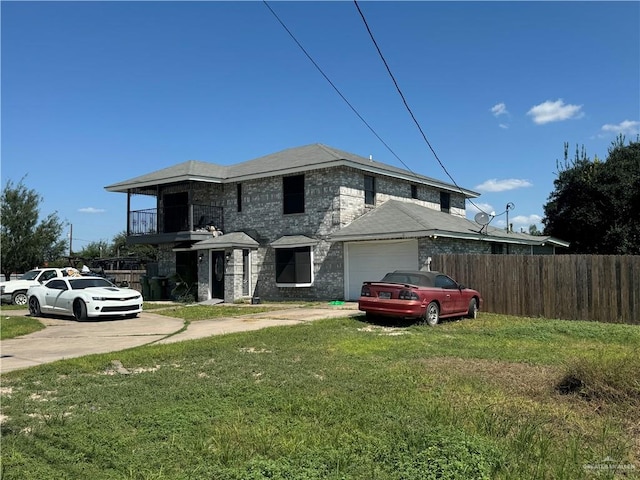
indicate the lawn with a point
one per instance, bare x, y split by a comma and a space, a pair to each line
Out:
493, 398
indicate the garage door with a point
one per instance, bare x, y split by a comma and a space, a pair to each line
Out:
365, 261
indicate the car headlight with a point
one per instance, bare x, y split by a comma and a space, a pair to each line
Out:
99, 299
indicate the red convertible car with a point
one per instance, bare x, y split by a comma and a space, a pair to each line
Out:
429, 296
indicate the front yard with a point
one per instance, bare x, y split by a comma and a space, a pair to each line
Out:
497, 397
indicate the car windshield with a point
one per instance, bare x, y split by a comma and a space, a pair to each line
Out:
30, 275
81, 283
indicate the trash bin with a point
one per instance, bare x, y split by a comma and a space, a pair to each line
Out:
158, 288
144, 282
154, 289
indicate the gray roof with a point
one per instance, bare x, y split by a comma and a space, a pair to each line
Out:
396, 219
291, 241
290, 161
228, 240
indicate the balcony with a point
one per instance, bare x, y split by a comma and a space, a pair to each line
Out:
178, 223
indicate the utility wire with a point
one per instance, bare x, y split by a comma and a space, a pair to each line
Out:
364, 20
336, 88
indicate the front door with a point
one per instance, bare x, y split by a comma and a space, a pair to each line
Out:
217, 274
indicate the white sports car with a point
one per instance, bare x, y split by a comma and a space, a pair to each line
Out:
82, 298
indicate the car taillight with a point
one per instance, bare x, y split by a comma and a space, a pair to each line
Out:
366, 291
408, 295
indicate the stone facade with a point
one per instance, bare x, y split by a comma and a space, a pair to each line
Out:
333, 198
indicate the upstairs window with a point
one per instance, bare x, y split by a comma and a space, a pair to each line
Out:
239, 196
414, 191
445, 202
369, 190
294, 267
293, 194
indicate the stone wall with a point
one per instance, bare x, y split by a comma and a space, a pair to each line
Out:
333, 199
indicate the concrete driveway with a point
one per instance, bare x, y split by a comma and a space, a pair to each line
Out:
66, 338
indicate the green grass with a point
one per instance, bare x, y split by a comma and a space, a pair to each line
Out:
337, 399
15, 326
208, 312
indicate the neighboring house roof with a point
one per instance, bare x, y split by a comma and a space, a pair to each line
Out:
290, 161
396, 219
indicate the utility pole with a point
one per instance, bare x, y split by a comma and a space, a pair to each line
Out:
70, 240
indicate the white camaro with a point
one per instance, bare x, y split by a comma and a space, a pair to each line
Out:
82, 298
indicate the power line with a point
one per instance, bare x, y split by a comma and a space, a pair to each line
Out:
336, 88
404, 100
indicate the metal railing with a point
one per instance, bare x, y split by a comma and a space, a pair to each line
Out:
181, 218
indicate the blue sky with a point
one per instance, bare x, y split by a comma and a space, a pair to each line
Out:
94, 93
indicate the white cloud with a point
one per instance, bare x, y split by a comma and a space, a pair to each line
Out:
504, 126
495, 185
526, 219
476, 207
499, 109
627, 127
554, 112
91, 210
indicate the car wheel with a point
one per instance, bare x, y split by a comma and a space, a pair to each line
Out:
473, 309
34, 307
432, 314
19, 298
79, 310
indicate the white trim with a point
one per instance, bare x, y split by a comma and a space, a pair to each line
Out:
313, 276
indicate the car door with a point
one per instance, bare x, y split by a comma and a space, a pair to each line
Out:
56, 297
450, 294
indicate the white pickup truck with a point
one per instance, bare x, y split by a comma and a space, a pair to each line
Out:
15, 291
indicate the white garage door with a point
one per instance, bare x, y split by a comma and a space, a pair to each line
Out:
365, 261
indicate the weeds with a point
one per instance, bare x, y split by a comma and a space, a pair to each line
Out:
336, 399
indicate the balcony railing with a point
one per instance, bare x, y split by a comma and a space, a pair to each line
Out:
181, 218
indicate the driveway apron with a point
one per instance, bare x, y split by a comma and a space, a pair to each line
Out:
66, 338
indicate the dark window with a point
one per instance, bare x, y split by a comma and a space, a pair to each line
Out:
369, 190
47, 275
445, 202
293, 194
442, 281
414, 191
239, 196
293, 265
497, 248
57, 285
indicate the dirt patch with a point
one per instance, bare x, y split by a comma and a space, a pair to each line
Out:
516, 378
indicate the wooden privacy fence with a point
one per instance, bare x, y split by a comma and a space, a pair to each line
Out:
602, 288
132, 277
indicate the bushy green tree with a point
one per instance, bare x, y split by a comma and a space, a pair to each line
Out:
27, 241
596, 205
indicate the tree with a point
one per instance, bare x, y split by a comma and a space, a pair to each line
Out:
117, 248
25, 242
596, 205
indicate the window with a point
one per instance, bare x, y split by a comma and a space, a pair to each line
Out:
293, 194
246, 272
497, 248
57, 285
48, 275
294, 267
369, 190
239, 196
442, 281
445, 202
414, 191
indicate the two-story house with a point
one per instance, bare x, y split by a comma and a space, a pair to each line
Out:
310, 222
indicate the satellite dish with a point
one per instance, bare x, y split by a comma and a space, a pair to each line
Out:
482, 218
